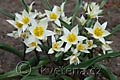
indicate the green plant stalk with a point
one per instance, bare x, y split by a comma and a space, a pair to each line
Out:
6, 13
11, 49
77, 8
24, 4
90, 62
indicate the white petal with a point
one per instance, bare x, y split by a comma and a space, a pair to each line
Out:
86, 51
38, 49
97, 24
43, 22
67, 47
11, 22
17, 16
51, 51
75, 30
58, 22
24, 27
49, 33
67, 58
48, 13
102, 40
63, 38
90, 30
81, 38
53, 39
19, 31
66, 31
104, 25
60, 43
106, 33
29, 49
62, 6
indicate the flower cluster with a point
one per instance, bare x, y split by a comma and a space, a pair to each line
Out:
35, 27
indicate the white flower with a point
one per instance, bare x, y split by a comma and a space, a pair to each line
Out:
39, 30
67, 20
53, 16
93, 10
56, 46
82, 20
73, 59
99, 31
106, 46
71, 37
90, 44
32, 43
85, 6
13, 34
81, 47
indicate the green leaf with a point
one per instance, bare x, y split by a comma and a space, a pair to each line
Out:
8, 75
24, 4
89, 78
36, 78
106, 72
103, 3
90, 62
46, 2
11, 49
6, 13
66, 78
117, 28
75, 11
69, 27
31, 62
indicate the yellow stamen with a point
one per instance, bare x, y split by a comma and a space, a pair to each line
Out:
98, 32
89, 43
80, 47
53, 16
56, 46
38, 32
71, 38
26, 20
33, 44
19, 25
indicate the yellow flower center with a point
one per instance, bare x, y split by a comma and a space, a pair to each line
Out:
38, 32
89, 44
33, 44
26, 20
80, 47
53, 16
98, 32
23, 35
19, 25
57, 31
107, 45
56, 46
74, 59
71, 38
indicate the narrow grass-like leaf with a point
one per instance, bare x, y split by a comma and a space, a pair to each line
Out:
6, 13
114, 30
103, 3
31, 62
24, 4
69, 27
49, 7
106, 72
75, 11
11, 49
89, 78
90, 62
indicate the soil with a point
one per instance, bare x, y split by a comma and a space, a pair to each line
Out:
9, 61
